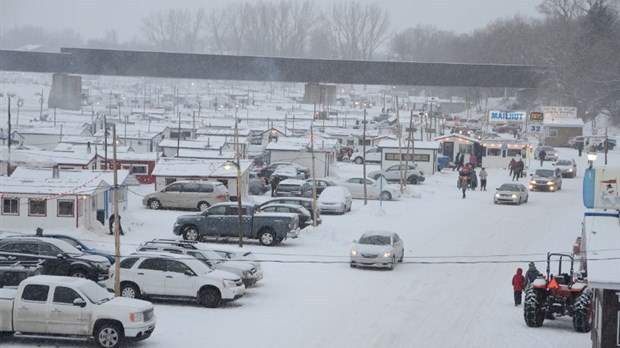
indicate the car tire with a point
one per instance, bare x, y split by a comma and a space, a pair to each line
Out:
359, 160
78, 273
386, 196
352, 265
519, 203
412, 180
391, 266
109, 335
267, 237
154, 204
130, 290
202, 206
402, 256
210, 297
191, 233
526, 198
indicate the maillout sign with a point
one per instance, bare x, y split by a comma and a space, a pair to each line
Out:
507, 116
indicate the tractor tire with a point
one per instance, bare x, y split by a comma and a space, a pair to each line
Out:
533, 311
582, 314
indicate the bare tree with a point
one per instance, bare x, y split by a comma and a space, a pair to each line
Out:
566, 10
175, 30
355, 30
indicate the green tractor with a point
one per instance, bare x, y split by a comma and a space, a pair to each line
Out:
559, 294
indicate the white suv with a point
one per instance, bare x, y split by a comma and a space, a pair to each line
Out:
165, 275
248, 273
198, 195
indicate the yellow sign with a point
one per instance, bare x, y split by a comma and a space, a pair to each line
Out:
536, 116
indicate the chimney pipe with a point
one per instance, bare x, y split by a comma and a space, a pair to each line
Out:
55, 172
88, 147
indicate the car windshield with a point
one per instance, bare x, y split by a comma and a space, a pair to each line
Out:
375, 240
95, 293
509, 187
547, 148
545, 173
563, 163
214, 257
288, 187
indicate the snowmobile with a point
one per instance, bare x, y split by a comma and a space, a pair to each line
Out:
560, 294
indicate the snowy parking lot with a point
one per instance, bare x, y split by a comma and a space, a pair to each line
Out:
453, 288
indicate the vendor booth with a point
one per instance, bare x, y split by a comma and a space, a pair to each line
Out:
497, 153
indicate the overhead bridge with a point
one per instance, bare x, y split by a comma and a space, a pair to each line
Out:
250, 68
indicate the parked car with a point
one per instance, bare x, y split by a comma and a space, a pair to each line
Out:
546, 180
78, 244
375, 189
222, 220
248, 273
595, 142
58, 257
412, 174
302, 172
551, 153
321, 184
511, 193
198, 195
173, 276
377, 249
290, 188
12, 272
335, 199
64, 307
568, 167
373, 154
304, 202
305, 219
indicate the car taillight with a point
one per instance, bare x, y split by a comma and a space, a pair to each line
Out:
221, 197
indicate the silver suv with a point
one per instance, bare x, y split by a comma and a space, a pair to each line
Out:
249, 274
198, 195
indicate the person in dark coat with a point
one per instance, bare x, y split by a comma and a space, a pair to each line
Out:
518, 281
464, 184
580, 148
518, 171
275, 180
531, 274
542, 155
511, 166
111, 222
473, 180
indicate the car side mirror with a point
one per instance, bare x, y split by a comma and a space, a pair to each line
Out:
79, 247
79, 302
60, 256
189, 273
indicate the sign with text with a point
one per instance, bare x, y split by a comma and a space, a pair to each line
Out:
559, 111
537, 116
507, 116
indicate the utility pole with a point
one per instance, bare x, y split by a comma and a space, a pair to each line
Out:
400, 150
179, 135
8, 163
314, 207
364, 162
606, 145
105, 140
41, 103
239, 193
117, 224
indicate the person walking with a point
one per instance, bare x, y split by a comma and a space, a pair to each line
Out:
473, 179
456, 162
483, 179
518, 281
518, 171
464, 184
511, 166
542, 155
580, 148
275, 180
111, 223
473, 160
531, 274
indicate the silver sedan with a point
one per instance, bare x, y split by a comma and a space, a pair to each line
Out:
377, 249
511, 193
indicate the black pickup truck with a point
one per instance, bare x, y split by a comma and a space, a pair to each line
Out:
222, 220
12, 272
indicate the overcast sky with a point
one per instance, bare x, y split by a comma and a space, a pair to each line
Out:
92, 18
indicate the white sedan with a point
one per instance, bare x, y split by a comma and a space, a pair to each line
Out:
377, 249
334, 199
375, 189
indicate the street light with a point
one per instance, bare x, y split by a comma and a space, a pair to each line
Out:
591, 158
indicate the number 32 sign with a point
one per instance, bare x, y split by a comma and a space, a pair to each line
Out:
535, 128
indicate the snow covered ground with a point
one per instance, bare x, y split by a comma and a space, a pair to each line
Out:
453, 289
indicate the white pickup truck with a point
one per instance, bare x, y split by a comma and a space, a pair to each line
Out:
73, 308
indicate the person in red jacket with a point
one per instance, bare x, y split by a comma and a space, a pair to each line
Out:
518, 280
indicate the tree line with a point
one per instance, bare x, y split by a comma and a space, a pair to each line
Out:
578, 40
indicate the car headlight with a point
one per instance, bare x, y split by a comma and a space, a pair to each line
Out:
533, 182
353, 252
387, 254
136, 317
497, 195
227, 283
513, 196
570, 169
550, 183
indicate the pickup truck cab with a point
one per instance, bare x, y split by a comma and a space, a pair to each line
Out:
222, 220
74, 307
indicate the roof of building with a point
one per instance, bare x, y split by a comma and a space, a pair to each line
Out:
193, 167
393, 144
563, 122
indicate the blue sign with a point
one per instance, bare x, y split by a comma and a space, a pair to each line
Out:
507, 116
